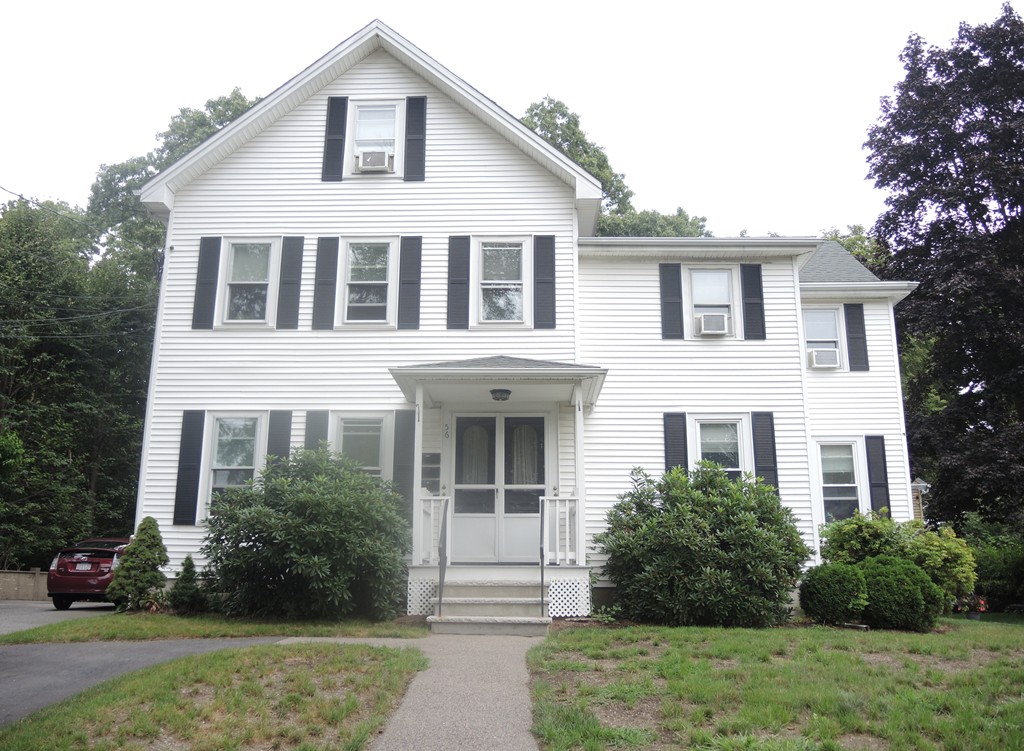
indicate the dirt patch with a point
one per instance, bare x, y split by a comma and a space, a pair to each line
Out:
862, 742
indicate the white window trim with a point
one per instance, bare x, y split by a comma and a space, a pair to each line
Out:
224, 280
210, 447
860, 471
341, 308
735, 329
387, 435
476, 275
844, 363
746, 439
351, 166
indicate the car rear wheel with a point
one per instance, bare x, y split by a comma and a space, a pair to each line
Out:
62, 602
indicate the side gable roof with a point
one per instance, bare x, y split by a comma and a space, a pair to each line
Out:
158, 194
831, 262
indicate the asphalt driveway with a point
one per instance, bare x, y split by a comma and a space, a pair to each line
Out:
18, 615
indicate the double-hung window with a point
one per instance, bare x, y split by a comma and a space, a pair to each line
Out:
368, 287
235, 451
502, 282
362, 438
248, 281
712, 294
821, 332
375, 128
839, 487
719, 442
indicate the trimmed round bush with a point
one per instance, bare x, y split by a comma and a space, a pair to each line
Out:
833, 594
900, 595
702, 549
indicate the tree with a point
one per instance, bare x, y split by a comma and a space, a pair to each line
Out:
138, 583
950, 150
652, 224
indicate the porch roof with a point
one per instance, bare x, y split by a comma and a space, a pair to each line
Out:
471, 381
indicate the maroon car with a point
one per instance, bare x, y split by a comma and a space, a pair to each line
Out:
83, 571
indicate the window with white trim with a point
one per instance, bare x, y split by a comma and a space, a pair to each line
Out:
724, 439
503, 279
370, 294
823, 337
843, 466
236, 451
711, 296
375, 145
366, 439
249, 280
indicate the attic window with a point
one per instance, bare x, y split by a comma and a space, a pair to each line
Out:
375, 126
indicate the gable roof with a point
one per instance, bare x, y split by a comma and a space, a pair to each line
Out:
831, 262
158, 194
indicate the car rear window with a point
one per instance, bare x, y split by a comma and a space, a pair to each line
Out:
94, 554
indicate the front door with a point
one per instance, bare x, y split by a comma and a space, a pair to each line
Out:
499, 481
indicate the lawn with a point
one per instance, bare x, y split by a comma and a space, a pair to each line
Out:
786, 689
299, 696
143, 626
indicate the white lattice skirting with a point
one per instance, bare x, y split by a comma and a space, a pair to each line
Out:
567, 598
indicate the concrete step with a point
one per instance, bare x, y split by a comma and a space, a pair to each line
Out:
525, 607
490, 589
483, 625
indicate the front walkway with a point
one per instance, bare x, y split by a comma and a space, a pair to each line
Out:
474, 695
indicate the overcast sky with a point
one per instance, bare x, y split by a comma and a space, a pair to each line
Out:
750, 113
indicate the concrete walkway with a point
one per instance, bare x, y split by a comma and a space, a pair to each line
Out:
474, 695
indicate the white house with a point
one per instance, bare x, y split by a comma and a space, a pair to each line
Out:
379, 256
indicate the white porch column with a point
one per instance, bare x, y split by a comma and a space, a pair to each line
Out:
417, 479
581, 481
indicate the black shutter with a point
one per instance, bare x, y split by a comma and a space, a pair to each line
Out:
671, 301
856, 336
675, 440
206, 283
878, 473
415, 138
325, 283
291, 283
766, 464
316, 428
334, 141
409, 263
753, 301
190, 462
279, 434
458, 282
544, 282
403, 474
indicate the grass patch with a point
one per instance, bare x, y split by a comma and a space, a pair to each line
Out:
300, 696
145, 626
786, 689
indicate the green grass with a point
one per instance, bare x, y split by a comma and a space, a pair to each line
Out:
145, 626
787, 689
301, 696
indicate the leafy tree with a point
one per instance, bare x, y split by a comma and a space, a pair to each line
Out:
315, 536
949, 149
138, 583
652, 224
701, 549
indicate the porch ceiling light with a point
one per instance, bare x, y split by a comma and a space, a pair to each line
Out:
500, 395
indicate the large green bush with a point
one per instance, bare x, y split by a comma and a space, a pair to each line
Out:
702, 549
138, 582
946, 558
900, 595
999, 553
833, 594
314, 536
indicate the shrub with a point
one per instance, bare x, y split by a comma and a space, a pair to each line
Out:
900, 595
187, 597
833, 593
315, 536
702, 549
999, 553
138, 583
946, 558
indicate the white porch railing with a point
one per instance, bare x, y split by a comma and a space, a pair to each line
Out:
561, 531
431, 515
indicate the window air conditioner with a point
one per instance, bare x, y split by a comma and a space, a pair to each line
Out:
374, 161
712, 324
823, 358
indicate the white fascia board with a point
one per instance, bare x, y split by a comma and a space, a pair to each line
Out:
697, 248
892, 291
591, 379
